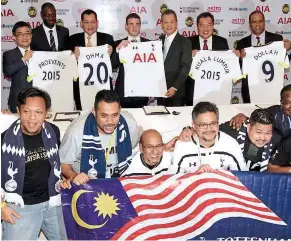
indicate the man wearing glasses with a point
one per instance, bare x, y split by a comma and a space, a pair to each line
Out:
208, 148
15, 62
153, 158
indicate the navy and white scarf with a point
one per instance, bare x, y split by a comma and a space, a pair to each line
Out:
241, 138
283, 123
13, 164
93, 161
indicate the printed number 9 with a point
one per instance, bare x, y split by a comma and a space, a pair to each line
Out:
269, 71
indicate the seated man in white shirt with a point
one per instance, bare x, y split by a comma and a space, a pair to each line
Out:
209, 148
152, 159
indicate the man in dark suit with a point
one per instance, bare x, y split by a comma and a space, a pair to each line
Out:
132, 26
177, 60
15, 62
49, 36
205, 40
258, 37
89, 38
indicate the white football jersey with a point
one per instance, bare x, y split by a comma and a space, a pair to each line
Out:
95, 71
54, 72
214, 72
143, 69
264, 66
225, 154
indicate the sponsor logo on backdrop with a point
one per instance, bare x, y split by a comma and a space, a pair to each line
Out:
284, 21
6, 77
159, 22
34, 24
7, 38
7, 25
235, 100
214, 9
189, 9
285, 77
143, 34
60, 22
263, 9
157, 35
235, 44
4, 2
138, 10
238, 21
111, 10
188, 33
62, 11
7, 13
215, 32
189, 21
80, 10
6, 88
218, 21
283, 32
163, 8
285, 8
144, 22
29, 1
32, 12
236, 9
237, 33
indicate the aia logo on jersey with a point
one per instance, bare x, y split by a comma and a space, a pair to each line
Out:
138, 10
238, 21
263, 9
285, 8
32, 12
189, 33
144, 58
7, 13
7, 39
284, 21
214, 9
4, 2
189, 21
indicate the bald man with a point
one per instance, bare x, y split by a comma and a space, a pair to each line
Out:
152, 158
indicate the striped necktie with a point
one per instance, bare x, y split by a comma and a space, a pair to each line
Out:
258, 41
52, 41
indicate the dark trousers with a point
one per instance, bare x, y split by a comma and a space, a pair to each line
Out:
172, 102
189, 91
245, 91
77, 98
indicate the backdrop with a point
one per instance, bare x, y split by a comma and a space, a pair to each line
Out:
231, 20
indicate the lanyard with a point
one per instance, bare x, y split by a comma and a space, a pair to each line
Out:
199, 148
109, 147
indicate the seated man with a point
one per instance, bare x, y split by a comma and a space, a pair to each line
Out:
31, 172
151, 160
281, 114
281, 160
209, 148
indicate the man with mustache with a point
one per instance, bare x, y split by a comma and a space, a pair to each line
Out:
208, 148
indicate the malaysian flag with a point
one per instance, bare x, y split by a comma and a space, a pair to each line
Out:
181, 206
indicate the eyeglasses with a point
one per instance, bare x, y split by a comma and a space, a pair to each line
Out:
21, 35
151, 148
205, 125
286, 102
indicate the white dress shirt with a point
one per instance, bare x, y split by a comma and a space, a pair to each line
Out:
93, 39
262, 39
22, 50
47, 33
168, 42
209, 43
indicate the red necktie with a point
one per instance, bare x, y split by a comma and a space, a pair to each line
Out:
205, 47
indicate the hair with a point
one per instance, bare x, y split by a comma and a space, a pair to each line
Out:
47, 5
132, 15
261, 116
254, 12
18, 25
33, 92
168, 12
88, 12
285, 89
109, 96
205, 15
204, 107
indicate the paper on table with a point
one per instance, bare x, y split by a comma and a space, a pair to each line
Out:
152, 110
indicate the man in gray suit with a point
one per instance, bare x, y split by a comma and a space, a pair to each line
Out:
177, 60
16, 61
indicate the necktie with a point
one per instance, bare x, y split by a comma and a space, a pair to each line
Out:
133, 40
166, 48
26, 62
89, 44
52, 41
205, 47
258, 42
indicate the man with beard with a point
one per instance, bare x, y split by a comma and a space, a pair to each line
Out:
208, 147
152, 159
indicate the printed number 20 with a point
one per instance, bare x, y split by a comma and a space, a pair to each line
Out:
268, 70
88, 81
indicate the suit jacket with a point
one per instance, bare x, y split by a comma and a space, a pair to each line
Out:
178, 63
218, 43
14, 67
40, 42
119, 85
